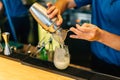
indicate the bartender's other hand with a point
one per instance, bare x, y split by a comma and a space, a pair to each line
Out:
53, 12
87, 31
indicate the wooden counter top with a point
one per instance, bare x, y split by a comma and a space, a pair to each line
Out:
14, 70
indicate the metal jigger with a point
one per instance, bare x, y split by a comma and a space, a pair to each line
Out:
6, 36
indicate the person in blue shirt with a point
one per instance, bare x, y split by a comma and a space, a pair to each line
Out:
19, 16
103, 32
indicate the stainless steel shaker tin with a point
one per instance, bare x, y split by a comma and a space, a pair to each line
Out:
39, 12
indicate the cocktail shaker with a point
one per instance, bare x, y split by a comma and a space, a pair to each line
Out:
39, 12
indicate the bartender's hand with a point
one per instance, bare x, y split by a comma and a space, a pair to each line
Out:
87, 31
91, 32
53, 12
58, 8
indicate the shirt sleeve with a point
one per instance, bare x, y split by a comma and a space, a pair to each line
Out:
80, 3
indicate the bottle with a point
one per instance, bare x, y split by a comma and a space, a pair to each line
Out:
43, 54
50, 51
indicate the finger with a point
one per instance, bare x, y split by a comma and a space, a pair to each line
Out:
49, 4
54, 13
84, 28
75, 30
78, 26
59, 21
86, 25
77, 33
72, 29
81, 28
74, 36
51, 9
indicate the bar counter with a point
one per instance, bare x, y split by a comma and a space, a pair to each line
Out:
14, 70
21, 67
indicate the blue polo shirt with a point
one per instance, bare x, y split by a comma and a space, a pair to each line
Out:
16, 8
106, 15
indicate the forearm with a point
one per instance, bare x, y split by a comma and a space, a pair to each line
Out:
110, 40
65, 4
